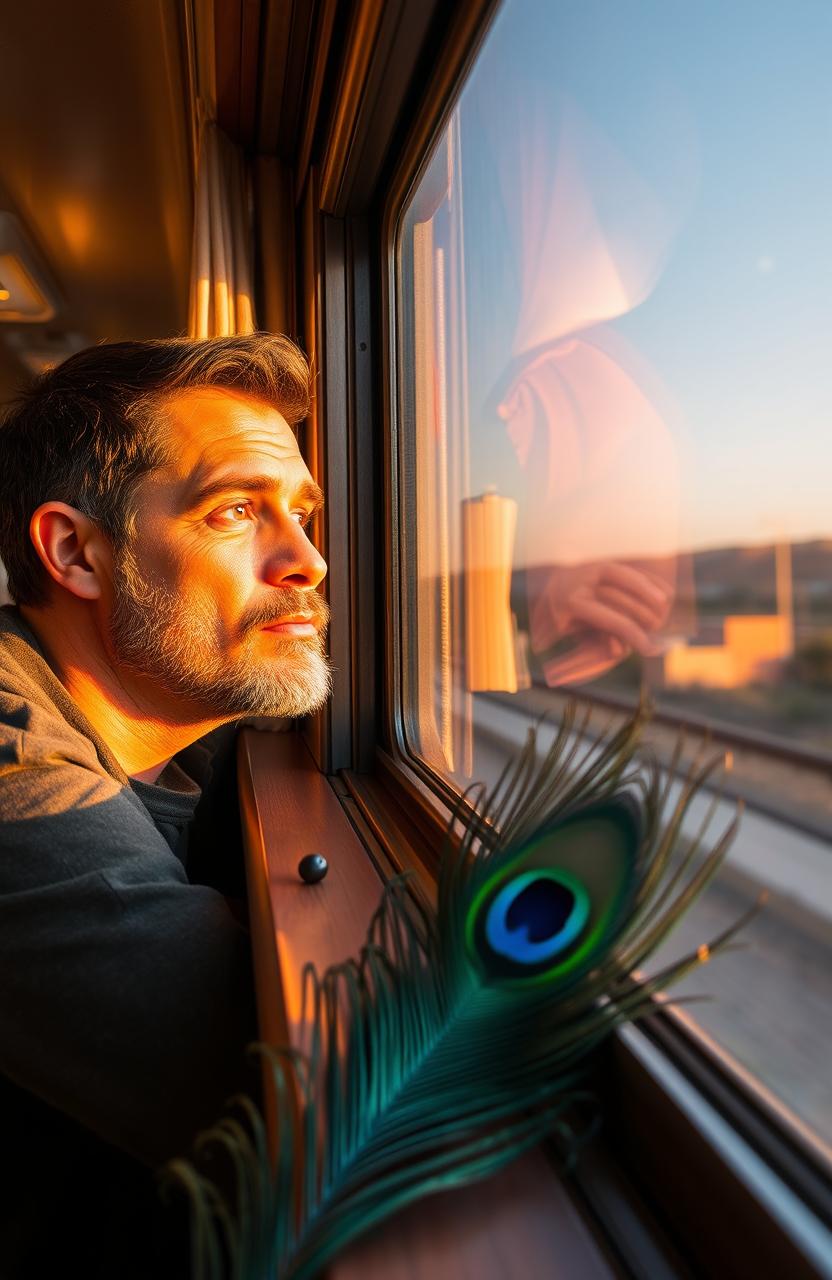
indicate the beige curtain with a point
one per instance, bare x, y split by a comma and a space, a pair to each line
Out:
221, 271
221, 301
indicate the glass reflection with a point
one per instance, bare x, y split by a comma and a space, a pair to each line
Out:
614, 276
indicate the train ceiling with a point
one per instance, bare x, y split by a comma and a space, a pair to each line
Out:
96, 117
96, 164
97, 158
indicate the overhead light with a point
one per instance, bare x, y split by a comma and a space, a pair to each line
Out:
27, 296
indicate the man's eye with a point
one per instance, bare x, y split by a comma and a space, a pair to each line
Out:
241, 512
237, 513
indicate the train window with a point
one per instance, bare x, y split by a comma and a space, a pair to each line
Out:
613, 325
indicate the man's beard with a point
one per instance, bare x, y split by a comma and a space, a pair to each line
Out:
178, 645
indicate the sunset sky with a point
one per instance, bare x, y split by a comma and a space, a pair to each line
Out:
656, 179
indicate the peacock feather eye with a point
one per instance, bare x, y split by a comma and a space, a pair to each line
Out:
549, 908
536, 915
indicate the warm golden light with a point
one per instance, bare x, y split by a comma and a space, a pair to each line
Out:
30, 303
754, 648
75, 220
703, 953
489, 523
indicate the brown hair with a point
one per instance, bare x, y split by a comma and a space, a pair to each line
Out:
85, 433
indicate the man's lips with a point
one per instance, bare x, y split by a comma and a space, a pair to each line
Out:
295, 624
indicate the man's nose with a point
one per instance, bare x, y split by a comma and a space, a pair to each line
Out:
294, 561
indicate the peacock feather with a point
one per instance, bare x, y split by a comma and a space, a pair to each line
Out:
458, 1038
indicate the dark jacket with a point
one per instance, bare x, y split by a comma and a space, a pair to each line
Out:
126, 990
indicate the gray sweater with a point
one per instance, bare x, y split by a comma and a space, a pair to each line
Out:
126, 991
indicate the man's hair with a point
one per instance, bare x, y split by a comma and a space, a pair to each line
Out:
86, 432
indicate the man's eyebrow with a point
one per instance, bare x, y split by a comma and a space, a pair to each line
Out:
307, 491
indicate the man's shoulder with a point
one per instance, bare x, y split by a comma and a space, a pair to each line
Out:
23, 668
33, 732
36, 713
62, 812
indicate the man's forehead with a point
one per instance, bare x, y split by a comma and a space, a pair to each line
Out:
209, 428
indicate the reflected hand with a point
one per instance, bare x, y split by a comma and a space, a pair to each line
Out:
610, 608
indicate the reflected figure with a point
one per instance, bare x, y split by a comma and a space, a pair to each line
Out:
604, 611
598, 527
598, 531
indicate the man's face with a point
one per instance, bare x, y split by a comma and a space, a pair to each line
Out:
215, 599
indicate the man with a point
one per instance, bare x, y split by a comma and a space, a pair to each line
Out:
153, 516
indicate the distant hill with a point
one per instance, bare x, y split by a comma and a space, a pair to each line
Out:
746, 575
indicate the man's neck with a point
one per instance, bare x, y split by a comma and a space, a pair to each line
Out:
142, 728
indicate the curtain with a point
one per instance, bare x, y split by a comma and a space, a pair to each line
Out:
221, 271
222, 298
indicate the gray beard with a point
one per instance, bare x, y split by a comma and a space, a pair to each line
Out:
179, 648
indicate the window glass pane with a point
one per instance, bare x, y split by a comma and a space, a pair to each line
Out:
614, 280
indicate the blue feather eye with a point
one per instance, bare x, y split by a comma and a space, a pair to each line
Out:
536, 915
547, 910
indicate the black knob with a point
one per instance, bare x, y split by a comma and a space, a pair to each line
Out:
313, 868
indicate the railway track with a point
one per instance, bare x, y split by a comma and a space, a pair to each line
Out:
815, 758
788, 782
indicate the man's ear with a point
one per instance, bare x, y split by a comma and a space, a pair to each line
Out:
72, 549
